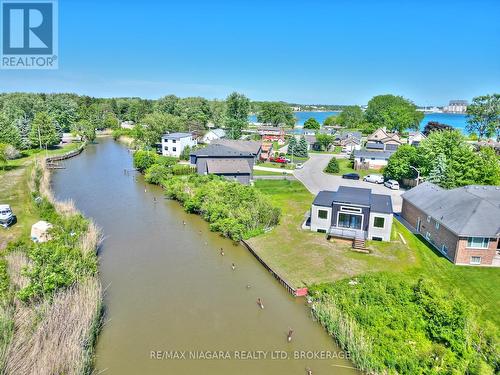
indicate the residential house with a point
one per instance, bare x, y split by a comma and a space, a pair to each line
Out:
272, 134
311, 142
172, 144
382, 140
369, 159
414, 138
212, 135
228, 158
267, 151
462, 223
353, 213
349, 141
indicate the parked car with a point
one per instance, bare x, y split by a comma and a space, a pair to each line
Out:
299, 166
375, 178
279, 160
392, 184
351, 176
7, 217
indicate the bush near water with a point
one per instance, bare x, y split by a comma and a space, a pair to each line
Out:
237, 211
390, 324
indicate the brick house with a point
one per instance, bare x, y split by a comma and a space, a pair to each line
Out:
462, 223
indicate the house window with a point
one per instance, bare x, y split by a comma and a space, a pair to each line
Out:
379, 222
166, 148
321, 230
377, 238
478, 242
173, 141
436, 225
350, 209
444, 249
174, 149
428, 219
322, 214
349, 221
475, 260
428, 236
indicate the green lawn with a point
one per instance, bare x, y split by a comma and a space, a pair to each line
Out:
14, 191
256, 172
345, 166
304, 257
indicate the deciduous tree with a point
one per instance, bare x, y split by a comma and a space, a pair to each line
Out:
43, 131
351, 116
394, 112
275, 114
483, 116
312, 123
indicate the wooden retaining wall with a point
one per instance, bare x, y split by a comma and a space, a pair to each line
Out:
52, 159
299, 292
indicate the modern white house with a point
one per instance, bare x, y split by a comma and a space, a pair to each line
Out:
213, 135
173, 144
352, 213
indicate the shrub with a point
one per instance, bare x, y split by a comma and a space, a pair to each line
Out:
235, 210
333, 166
156, 173
144, 159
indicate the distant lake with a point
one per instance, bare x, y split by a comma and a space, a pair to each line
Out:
455, 120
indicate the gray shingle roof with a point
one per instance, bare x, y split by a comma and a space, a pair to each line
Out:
228, 166
246, 146
375, 146
373, 154
347, 194
377, 202
176, 135
467, 211
216, 149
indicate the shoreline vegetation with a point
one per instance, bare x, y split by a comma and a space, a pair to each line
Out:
236, 211
51, 297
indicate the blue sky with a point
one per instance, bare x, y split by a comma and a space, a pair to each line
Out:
337, 52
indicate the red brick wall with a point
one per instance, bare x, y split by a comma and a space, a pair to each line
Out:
457, 251
464, 254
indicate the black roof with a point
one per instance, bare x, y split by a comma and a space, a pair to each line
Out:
352, 195
346, 194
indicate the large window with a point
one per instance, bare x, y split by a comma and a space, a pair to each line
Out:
322, 214
378, 222
478, 242
350, 221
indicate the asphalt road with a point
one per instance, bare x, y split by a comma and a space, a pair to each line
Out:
315, 180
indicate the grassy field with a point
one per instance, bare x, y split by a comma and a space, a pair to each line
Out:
304, 257
13, 191
256, 172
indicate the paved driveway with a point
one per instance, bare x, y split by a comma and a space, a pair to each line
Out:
315, 180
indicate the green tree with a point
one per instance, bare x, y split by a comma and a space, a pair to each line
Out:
87, 130
333, 166
195, 111
330, 120
311, 123
483, 116
3, 155
276, 114
218, 109
43, 133
487, 167
144, 159
399, 164
394, 112
24, 126
186, 151
167, 104
110, 121
292, 146
301, 149
154, 125
324, 141
9, 133
438, 174
63, 109
351, 116
237, 110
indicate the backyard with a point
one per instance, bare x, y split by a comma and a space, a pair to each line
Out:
304, 258
345, 166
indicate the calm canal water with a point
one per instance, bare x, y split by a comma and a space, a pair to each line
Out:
168, 289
